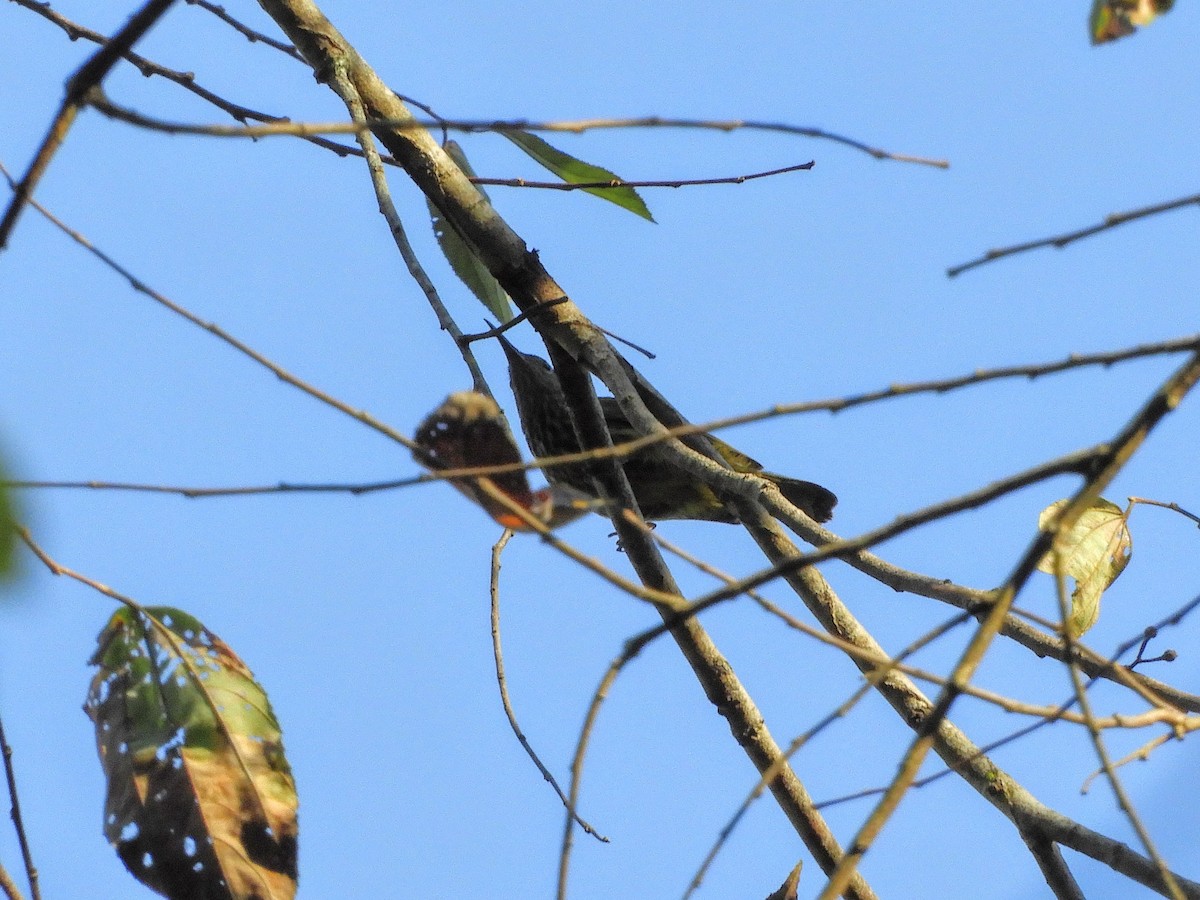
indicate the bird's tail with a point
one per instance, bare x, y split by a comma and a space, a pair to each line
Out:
815, 500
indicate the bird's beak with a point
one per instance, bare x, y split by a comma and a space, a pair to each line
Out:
517, 361
514, 355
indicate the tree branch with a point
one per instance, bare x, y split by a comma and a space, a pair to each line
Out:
86, 77
1111, 221
31, 872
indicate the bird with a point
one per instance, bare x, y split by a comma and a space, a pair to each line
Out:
663, 491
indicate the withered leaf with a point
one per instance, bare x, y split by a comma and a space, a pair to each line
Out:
201, 803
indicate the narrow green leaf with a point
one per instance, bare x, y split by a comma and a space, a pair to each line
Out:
462, 257
576, 171
1094, 552
201, 801
8, 527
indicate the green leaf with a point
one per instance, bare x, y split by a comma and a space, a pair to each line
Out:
1094, 552
8, 532
201, 801
462, 257
576, 171
8, 527
1112, 20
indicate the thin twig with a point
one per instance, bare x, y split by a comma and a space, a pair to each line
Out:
86, 77
1055, 715
623, 182
646, 594
254, 37
212, 328
1055, 870
282, 487
1142, 753
305, 129
502, 682
581, 125
801, 740
31, 872
242, 113
1062, 240
1124, 802
1155, 715
185, 80
349, 94
496, 330
1175, 507
577, 760
847, 548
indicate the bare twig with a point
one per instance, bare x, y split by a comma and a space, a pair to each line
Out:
1142, 753
581, 125
581, 748
309, 130
1062, 240
1175, 507
254, 37
212, 328
801, 740
240, 113
185, 80
1081, 696
1055, 714
349, 94
10, 775
622, 182
302, 129
283, 487
86, 77
496, 330
502, 682
1054, 867
1157, 714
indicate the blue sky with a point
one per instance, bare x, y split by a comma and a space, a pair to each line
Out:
366, 617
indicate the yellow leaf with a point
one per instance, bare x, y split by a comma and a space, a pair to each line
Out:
1094, 552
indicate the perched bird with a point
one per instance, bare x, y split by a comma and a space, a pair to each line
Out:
663, 491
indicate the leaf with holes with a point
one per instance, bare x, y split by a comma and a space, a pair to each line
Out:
201, 801
1112, 20
468, 431
1094, 552
462, 257
576, 171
